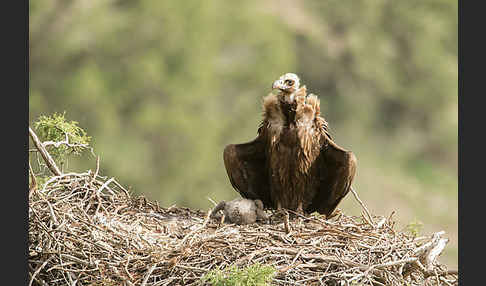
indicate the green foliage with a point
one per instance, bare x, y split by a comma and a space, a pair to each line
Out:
65, 138
254, 275
414, 227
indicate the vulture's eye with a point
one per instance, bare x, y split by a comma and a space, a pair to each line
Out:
289, 82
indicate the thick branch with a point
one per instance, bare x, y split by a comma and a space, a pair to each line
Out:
45, 155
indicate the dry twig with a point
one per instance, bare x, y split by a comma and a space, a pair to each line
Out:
86, 230
118, 242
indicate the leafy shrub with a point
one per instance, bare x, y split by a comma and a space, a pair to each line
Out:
254, 275
61, 138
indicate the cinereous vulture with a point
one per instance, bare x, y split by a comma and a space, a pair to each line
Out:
293, 163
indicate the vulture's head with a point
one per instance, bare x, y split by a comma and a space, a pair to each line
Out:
287, 83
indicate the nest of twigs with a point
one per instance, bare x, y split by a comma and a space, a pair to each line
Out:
86, 230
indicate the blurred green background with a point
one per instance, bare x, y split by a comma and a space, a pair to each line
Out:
163, 86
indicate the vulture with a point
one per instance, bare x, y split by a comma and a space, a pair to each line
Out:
241, 211
293, 163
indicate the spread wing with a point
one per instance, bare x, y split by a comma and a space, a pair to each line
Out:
247, 169
336, 171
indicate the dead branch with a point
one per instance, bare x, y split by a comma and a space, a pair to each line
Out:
45, 155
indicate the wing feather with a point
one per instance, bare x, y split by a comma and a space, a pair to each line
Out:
247, 169
336, 171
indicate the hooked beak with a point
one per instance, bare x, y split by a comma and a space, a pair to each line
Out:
277, 84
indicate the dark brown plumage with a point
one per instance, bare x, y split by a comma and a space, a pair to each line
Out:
293, 163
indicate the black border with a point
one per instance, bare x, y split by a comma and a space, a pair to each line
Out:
15, 98
14, 138
471, 144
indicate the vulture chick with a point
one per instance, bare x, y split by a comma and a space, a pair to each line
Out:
241, 211
293, 163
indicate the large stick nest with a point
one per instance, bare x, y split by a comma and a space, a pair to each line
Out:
86, 230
